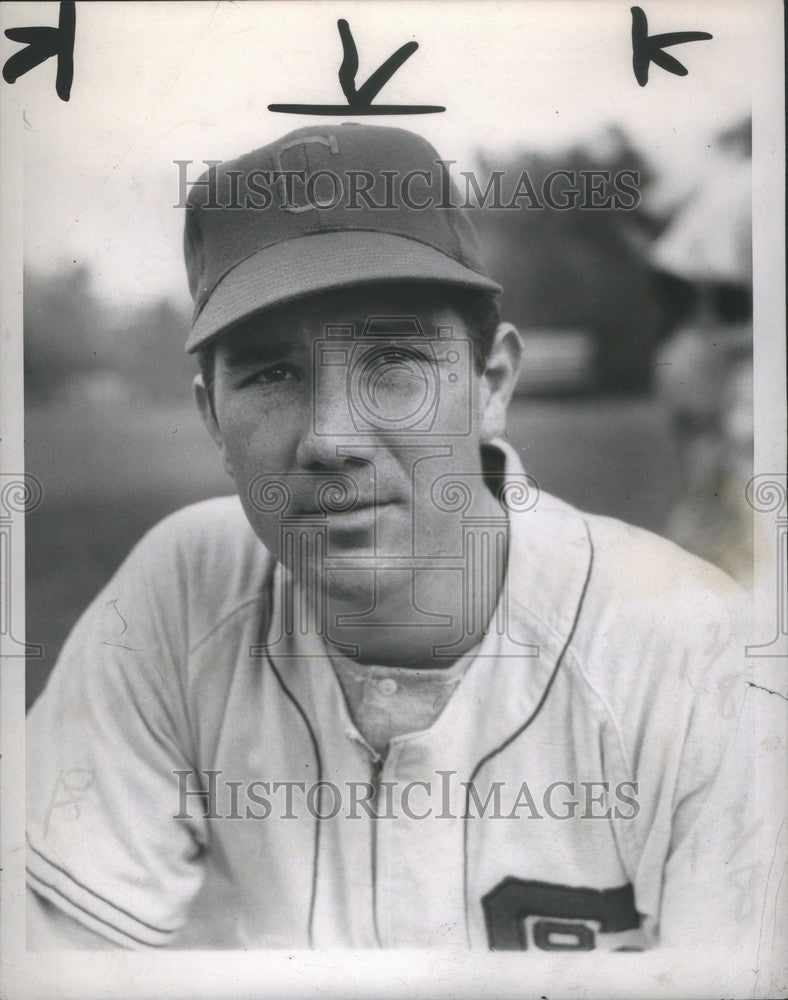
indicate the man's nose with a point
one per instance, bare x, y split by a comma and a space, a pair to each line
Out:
328, 427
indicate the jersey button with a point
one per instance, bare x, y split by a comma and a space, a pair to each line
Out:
388, 686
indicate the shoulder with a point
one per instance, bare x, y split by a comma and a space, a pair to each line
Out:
629, 569
207, 524
214, 531
190, 571
652, 617
636, 568
207, 558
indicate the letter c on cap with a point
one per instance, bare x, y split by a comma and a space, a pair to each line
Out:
323, 140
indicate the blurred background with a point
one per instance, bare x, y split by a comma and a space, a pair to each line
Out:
636, 393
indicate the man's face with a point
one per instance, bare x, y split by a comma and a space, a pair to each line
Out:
342, 413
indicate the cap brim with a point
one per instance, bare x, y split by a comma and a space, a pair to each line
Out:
318, 263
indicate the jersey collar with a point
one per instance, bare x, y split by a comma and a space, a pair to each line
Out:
509, 680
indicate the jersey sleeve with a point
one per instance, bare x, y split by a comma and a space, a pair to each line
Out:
697, 867
50, 929
712, 886
103, 743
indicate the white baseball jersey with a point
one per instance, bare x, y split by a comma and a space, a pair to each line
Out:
579, 790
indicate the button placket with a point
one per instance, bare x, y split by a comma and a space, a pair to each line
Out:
398, 842
387, 874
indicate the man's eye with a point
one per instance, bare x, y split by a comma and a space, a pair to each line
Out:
407, 359
274, 374
396, 356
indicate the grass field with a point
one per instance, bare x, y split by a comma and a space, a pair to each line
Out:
108, 476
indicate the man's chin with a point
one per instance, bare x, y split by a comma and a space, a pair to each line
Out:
359, 588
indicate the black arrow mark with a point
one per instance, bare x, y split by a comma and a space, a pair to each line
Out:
647, 50
366, 94
359, 99
41, 44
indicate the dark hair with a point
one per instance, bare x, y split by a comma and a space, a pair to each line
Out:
479, 310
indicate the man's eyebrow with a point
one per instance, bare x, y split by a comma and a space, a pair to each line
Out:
257, 349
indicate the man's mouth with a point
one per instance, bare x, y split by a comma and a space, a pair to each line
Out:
357, 508
361, 508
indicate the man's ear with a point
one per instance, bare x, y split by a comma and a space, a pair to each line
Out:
498, 380
209, 419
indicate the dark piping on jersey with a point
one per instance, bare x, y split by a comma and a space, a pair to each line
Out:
522, 728
319, 771
378, 762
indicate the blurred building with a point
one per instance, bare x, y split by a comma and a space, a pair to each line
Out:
703, 369
579, 276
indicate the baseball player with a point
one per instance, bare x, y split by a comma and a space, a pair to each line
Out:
390, 694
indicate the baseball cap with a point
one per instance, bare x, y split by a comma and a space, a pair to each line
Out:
325, 207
